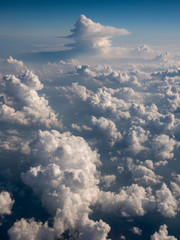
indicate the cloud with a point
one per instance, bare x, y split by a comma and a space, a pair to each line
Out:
65, 179
164, 146
89, 35
108, 128
167, 204
176, 186
6, 203
11, 60
136, 137
136, 230
143, 175
170, 73
12, 141
108, 180
23, 105
124, 114
30, 230
162, 234
131, 201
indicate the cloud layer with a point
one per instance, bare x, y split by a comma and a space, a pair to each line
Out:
90, 151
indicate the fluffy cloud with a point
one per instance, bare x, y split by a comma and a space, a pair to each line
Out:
108, 180
168, 73
176, 186
108, 128
30, 230
6, 203
162, 234
164, 146
23, 105
136, 230
89, 35
167, 204
11, 60
143, 173
65, 180
133, 200
136, 137
12, 141
132, 105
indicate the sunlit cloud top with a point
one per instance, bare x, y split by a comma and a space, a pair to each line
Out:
89, 35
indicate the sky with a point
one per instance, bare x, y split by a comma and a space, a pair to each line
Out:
33, 23
89, 120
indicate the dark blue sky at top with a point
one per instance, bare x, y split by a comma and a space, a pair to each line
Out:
55, 17
26, 25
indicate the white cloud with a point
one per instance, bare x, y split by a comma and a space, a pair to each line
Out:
6, 203
143, 174
176, 186
164, 146
108, 180
11, 60
11, 141
136, 137
133, 200
66, 182
29, 79
89, 35
26, 105
104, 100
107, 127
80, 128
162, 234
134, 105
136, 230
167, 204
30, 230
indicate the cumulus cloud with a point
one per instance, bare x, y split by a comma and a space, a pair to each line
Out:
11, 60
12, 141
108, 180
128, 111
167, 204
66, 182
143, 173
23, 105
162, 234
175, 185
133, 200
103, 99
164, 146
30, 230
136, 230
6, 203
108, 128
89, 35
136, 137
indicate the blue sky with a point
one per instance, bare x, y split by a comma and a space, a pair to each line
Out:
25, 24
55, 17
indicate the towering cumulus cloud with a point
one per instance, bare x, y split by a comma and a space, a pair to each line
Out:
89, 35
65, 179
